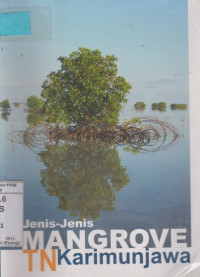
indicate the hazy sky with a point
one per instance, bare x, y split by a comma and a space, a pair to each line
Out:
149, 37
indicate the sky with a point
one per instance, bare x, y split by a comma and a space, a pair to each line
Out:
149, 37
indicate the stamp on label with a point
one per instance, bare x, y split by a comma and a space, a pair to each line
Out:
11, 213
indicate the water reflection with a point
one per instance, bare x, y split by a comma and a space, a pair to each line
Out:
159, 107
84, 179
34, 118
5, 114
84, 176
140, 106
179, 107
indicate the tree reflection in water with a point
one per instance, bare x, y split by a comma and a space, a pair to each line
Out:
5, 114
84, 176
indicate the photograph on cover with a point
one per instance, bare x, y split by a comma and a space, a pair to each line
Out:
95, 120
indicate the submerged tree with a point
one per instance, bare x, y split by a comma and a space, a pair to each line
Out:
5, 108
34, 118
178, 106
159, 106
35, 104
5, 104
16, 104
36, 110
5, 115
85, 89
84, 176
140, 106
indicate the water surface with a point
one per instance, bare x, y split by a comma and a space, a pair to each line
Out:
115, 188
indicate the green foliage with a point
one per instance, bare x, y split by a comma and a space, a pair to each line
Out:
85, 89
178, 106
154, 106
36, 110
5, 104
84, 176
35, 104
159, 106
140, 106
133, 150
134, 120
16, 104
35, 118
5, 115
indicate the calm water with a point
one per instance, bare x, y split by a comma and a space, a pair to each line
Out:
114, 187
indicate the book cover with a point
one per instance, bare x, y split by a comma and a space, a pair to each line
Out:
96, 175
